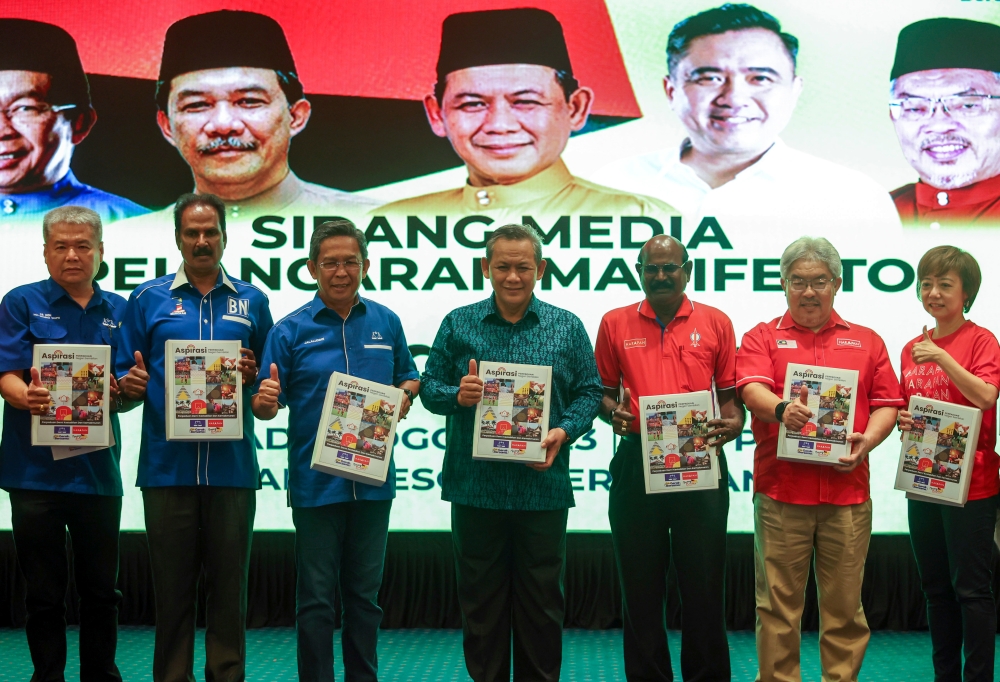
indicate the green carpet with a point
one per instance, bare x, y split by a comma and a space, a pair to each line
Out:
436, 655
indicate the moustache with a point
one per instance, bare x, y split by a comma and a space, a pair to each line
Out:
202, 251
666, 286
228, 143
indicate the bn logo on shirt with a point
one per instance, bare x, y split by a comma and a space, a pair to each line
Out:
239, 306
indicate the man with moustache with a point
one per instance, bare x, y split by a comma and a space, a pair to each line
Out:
668, 344
199, 498
45, 111
945, 108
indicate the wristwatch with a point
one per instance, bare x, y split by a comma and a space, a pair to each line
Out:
779, 409
410, 394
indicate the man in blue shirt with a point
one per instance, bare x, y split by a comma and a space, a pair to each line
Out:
81, 493
341, 526
199, 498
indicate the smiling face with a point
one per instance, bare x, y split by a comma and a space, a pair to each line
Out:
734, 92
810, 308
663, 291
943, 296
946, 151
513, 271
72, 254
507, 122
338, 287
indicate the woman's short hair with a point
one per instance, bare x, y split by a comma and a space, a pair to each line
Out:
941, 260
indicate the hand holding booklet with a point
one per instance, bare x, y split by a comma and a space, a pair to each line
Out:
512, 419
78, 380
204, 399
830, 394
676, 456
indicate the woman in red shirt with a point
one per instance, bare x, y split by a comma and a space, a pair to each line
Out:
959, 362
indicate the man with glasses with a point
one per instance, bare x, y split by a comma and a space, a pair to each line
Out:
806, 512
341, 526
45, 112
945, 107
668, 344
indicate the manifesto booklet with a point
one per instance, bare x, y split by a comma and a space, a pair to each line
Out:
78, 380
676, 454
512, 419
829, 393
357, 429
936, 458
204, 398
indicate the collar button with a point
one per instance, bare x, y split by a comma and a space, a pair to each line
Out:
483, 197
942, 198
8, 206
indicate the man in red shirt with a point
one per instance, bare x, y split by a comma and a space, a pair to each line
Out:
802, 508
666, 344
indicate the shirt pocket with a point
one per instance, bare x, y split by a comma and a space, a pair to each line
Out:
45, 331
379, 362
699, 367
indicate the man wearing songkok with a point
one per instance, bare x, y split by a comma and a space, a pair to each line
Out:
199, 498
341, 526
668, 344
804, 509
945, 106
82, 493
508, 520
45, 111
507, 100
732, 82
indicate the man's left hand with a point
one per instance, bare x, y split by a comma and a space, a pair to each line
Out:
724, 430
247, 365
404, 407
552, 443
860, 448
925, 350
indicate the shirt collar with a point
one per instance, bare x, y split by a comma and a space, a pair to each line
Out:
317, 306
550, 181
768, 164
685, 310
835, 320
43, 199
492, 311
181, 278
54, 291
984, 191
271, 200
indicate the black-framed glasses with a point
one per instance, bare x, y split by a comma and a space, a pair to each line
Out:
956, 106
653, 270
349, 265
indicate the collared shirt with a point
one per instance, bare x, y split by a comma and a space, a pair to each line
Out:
763, 358
67, 191
976, 350
695, 351
921, 204
310, 344
43, 312
547, 336
171, 308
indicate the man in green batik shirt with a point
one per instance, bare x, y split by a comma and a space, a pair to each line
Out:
508, 519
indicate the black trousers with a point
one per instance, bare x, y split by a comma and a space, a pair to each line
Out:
510, 567
649, 530
189, 528
953, 548
40, 519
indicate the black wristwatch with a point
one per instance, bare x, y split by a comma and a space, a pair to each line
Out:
410, 394
779, 409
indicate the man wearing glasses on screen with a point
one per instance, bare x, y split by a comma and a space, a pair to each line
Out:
945, 106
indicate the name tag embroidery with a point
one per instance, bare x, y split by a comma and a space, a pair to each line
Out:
635, 343
787, 343
850, 343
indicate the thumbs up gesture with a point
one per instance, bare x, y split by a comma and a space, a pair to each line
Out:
37, 396
270, 389
621, 416
925, 350
797, 414
470, 389
133, 384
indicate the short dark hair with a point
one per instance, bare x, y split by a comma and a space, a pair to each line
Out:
566, 81
341, 227
943, 259
515, 232
289, 83
728, 17
187, 200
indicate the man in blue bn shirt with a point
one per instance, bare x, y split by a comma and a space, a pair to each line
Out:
199, 497
81, 493
341, 526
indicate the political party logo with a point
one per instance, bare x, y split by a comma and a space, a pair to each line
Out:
78, 430
376, 336
344, 457
671, 480
850, 343
215, 423
920, 482
695, 338
634, 343
361, 462
519, 445
178, 306
824, 448
937, 486
786, 343
238, 306
501, 444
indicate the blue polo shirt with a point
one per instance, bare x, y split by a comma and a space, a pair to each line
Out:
67, 191
308, 346
169, 307
43, 312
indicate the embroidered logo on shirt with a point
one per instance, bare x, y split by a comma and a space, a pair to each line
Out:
306, 343
239, 306
635, 343
852, 343
376, 336
178, 306
45, 316
695, 338
108, 322
786, 343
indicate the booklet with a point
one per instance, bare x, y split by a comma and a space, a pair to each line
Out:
512, 419
829, 393
937, 454
676, 454
204, 388
357, 429
78, 380
67, 451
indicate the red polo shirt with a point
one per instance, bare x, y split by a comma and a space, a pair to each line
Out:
635, 351
922, 204
763, 358
975, 349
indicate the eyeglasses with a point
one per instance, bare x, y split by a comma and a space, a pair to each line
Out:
653, 270
956, 106
349, 265
28, 113
817, 285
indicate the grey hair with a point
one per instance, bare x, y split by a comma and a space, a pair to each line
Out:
811, 248
72, 215
340, 227
515, 232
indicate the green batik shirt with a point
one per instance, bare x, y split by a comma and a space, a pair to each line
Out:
546, 335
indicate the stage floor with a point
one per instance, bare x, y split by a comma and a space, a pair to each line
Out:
436, 655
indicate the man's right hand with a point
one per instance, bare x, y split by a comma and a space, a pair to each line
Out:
270, 389
797, 414
621, 416
470, 390
133, 384
35, 395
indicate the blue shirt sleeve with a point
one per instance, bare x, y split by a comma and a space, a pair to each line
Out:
15, 346
264, 324
586, 390
404, 368
134, 338
439, 383
276, 351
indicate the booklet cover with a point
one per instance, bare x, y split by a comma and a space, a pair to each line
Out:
67, 451
204, 398
513, 417
78, 380
829, 394
357, 429
937, 454
676, 455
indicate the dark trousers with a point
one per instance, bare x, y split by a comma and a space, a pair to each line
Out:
510, 567
649, 530
342, 543
953, 547
189, 528
40, 519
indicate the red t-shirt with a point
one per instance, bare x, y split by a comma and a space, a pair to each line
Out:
975, 349
763, 358
633, 350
